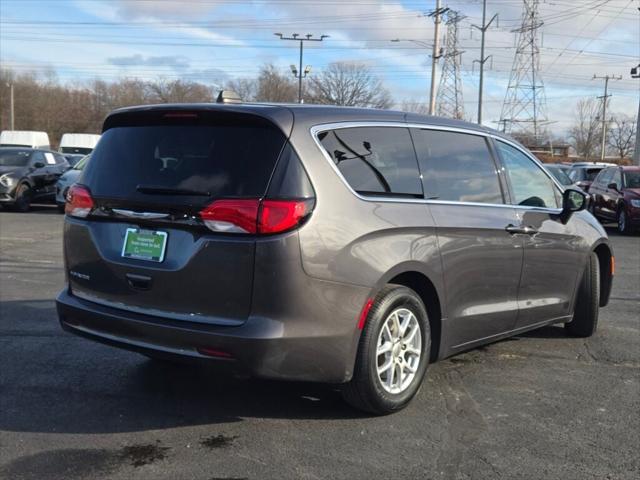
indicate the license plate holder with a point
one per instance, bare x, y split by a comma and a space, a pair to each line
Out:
141, 244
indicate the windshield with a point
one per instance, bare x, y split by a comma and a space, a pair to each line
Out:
15, 158
632, 179
80, 165
584, 174
560, 175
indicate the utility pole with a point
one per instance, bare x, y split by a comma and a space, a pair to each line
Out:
12, 113
635, 73
435, 55
485, 26
300, 74
604, 98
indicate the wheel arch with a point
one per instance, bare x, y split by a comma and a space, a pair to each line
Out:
426, 290
606, 262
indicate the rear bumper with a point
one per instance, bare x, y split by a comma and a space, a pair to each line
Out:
261, 347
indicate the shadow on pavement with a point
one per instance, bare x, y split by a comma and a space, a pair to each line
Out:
52, 381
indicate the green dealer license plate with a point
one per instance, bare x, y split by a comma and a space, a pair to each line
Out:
144, 244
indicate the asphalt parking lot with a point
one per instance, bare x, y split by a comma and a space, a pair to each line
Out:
539, 406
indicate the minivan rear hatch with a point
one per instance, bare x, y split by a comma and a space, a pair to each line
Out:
144, 247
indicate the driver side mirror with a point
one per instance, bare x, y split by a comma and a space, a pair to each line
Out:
613, 186
573, 200
38, 165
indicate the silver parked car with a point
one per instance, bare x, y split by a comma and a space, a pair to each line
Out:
67, 179
340, 245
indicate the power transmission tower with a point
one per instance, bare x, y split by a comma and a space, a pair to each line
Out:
605, 99
524, 105
449, 97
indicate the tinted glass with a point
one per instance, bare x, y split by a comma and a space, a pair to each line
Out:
632, 179
81, 164
78, 150
617, 178
14, 158
206, 160
560, 174
530, 184
604, 177
375, 160
457, 167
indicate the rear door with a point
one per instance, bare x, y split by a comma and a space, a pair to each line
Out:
481, 259
149, 177
611, 196
554, 254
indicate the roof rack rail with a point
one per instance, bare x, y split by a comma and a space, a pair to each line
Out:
228, 96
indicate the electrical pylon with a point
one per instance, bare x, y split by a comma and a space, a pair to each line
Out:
449, 97
525, 105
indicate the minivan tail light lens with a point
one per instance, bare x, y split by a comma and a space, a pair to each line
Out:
232, 216
79, 202
254, 215
281, 215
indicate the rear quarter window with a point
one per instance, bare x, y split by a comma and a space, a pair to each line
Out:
375, 160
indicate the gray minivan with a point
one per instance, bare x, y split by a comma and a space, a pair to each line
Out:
340, 245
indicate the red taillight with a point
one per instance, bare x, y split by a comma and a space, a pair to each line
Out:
281, 215
232, 216
213, 352
255, 216
79, 202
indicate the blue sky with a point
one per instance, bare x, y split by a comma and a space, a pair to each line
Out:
212, 41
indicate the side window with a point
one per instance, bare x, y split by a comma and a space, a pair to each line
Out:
617, 178
604, 178
60, 159
530, 184
375, 160
38, 157
457, 167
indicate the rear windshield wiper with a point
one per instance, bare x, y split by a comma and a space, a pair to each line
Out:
156, 190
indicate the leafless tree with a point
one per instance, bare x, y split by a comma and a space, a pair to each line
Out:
622, 135
179, 91
350, 84
246, 88
586, 131
273, 86
414, 106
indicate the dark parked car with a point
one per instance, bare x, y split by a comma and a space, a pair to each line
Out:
560, 172
615, 195
28, 175
583, 174
340, 245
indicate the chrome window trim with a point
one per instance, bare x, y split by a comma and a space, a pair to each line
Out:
316, 129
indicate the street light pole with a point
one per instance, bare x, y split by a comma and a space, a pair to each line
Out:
307, 38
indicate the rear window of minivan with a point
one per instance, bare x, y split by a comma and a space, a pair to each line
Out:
176, 160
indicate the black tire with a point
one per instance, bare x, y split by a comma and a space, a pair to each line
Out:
23, 198
60, 207
622, 221
365, 390
585, 314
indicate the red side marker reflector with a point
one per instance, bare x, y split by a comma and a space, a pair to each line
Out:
365, 313
212, 352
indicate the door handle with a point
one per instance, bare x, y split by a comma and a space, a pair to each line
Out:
513, 230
